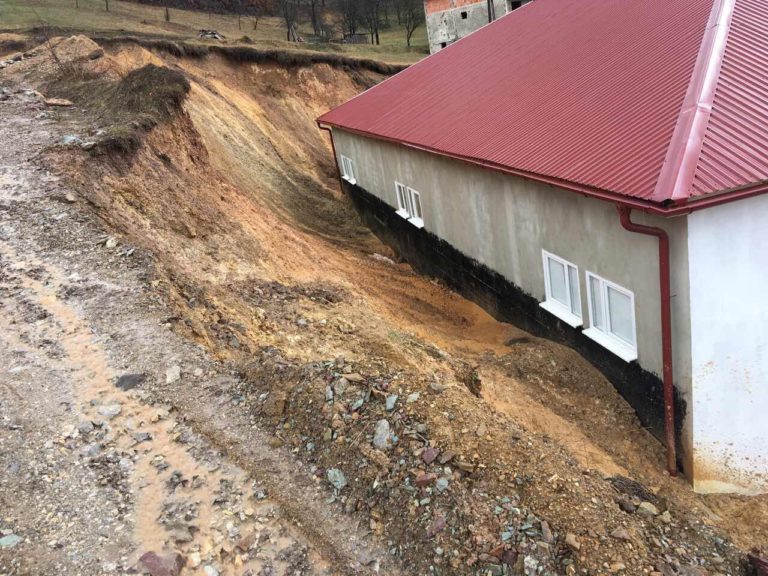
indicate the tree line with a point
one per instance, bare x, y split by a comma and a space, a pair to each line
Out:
326, 18
353, 17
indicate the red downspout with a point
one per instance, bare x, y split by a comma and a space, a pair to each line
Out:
335, 158
625, 213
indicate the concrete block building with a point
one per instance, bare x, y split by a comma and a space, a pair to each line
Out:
450, 20
596, 173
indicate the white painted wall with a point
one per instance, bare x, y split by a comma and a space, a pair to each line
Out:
504, 222
728, 263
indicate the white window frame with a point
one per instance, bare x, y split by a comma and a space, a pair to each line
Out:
414, 200
409, 204
564, 312
627, 351
401, 193
348, 169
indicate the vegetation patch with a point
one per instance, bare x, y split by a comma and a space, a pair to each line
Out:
135, 104
248, 54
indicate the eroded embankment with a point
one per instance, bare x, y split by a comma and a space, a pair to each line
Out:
459, 439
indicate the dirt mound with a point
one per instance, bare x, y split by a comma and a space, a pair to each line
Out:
268, 267
59, 56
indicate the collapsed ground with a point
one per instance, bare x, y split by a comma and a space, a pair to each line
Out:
459, 444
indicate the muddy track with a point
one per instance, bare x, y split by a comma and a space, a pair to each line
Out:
79, 315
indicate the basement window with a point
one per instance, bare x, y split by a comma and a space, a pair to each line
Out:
464, 15
402, 200
414, 203
612, 317
561, 286
443, 44
347, 170
409, 204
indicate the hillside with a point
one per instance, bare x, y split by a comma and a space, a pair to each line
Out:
131, 18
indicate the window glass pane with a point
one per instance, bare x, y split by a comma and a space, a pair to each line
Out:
596, 297
557, 282
416, 204
402, 204
573, 285
620, 315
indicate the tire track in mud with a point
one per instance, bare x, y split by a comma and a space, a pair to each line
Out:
81, 321
207, 510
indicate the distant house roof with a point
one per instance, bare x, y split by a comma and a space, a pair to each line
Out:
664, 102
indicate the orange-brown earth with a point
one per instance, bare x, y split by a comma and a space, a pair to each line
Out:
269, 268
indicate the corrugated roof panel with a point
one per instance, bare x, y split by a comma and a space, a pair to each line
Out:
653, 99
583, 91
734, 152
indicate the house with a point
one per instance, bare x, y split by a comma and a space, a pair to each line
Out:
450, 20
595, 172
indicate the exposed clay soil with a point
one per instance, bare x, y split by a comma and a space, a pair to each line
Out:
503, 450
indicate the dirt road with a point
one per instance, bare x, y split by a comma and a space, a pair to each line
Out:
95, 471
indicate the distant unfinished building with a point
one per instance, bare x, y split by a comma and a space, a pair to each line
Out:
450, 20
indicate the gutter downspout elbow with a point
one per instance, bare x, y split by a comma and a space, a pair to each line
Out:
335, 157
625, 213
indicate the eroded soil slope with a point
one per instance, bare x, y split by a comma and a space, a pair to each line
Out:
464, 443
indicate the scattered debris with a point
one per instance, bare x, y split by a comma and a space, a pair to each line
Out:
336, 478
572, 541
10, 541
647, 509
110, 410
71, 140
165, 565
621, 534
172, 374
58, 102
130, 381
382, 436
210, 35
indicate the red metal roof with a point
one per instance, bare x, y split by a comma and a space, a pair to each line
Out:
655, 100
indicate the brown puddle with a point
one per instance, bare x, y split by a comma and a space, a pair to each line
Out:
199, 507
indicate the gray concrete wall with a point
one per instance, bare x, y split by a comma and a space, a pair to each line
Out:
448, 26
505, 221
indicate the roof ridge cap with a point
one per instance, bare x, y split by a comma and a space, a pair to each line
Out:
677, 173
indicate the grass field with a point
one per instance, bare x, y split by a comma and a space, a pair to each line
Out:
131, 18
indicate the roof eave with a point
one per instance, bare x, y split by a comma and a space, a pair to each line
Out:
666, 209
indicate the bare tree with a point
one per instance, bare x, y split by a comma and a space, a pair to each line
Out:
351, 15
167, 14
398, 6
254, 9
411, 16
106, 4
372, 17
289, 10
316, 16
